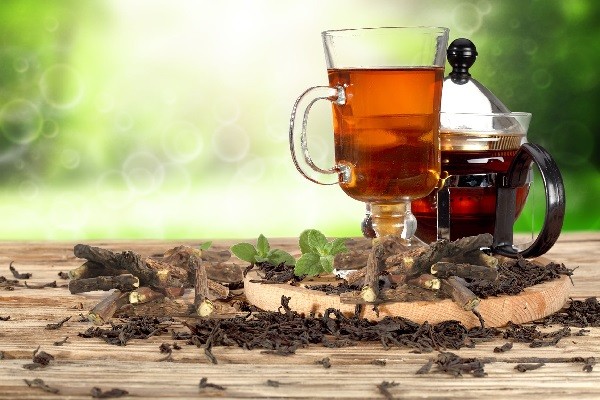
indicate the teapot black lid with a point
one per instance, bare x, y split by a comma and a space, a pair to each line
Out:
461, 93
461, 55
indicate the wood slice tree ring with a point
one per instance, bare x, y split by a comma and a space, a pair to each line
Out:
533, 303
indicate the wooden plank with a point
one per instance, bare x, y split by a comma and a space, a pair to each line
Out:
81, 364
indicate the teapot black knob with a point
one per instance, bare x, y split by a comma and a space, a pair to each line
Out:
461, 55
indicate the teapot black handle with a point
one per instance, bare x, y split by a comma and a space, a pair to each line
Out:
507, 185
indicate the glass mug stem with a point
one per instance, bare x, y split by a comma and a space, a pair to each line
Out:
304, 161
393, 219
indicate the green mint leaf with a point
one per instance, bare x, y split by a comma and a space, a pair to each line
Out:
316, 240
304, 246
244, 251
262, 246
308, 264
326, 263
277, 256
338, 246
259, 259
205, 246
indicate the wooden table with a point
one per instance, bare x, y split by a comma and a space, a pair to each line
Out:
81, 364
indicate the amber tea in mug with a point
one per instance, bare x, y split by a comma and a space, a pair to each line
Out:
387, 135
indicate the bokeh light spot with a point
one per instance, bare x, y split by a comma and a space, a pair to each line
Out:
50, 128
231, 143
62, 86
143, 172
182, 142
530, 46
123, 121
277, 121
20, 121
541, 78
51, 24
467, 18
21, 65
251, 171
70, 158
28, 189
226, 109
484, 6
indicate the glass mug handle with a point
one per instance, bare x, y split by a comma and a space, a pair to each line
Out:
337, 95
506, 202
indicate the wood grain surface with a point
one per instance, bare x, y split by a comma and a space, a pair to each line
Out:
81, 364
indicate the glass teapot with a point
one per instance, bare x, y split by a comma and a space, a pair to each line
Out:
487, 163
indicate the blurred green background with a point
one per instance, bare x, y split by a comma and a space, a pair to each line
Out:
169, 118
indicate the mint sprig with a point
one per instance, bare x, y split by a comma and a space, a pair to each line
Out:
317, 253
262, 252
205, 245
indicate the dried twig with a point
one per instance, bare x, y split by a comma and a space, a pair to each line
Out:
426, 281
124, 283
444, 269
375, 265
204, 307
457, 289
92, 269
104, 310
144, 295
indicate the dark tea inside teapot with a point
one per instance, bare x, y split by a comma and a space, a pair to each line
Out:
474, 149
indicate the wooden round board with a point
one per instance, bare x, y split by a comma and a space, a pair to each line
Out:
533, 303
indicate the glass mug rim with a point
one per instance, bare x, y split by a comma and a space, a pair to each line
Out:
437, 29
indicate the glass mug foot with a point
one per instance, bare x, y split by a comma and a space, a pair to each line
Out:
395, 219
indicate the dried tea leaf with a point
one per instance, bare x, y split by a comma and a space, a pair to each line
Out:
39, 383
97, 393
205, 384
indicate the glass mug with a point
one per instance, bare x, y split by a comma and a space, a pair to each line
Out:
488, 165
385, 87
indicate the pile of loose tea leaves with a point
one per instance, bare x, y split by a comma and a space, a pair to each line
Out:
516, 275
580, 313
131, 328
285, 331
